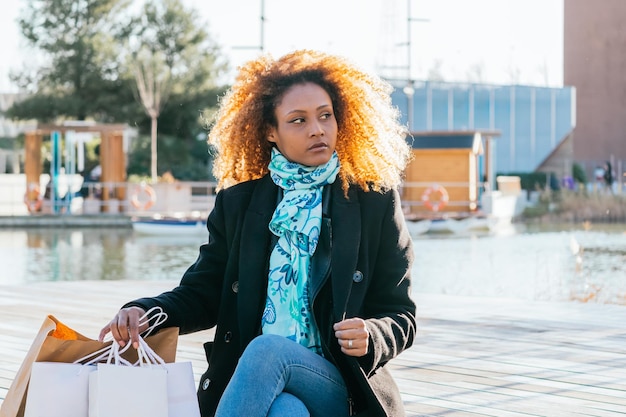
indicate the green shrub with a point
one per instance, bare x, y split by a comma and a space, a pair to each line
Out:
578, 173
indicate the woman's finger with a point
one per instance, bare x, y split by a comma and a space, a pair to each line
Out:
353, 336
125, 326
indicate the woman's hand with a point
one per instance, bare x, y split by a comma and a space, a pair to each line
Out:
125, 326
353, 336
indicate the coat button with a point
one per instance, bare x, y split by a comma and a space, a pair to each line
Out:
357, 276
205, 384
235, 287
227, 337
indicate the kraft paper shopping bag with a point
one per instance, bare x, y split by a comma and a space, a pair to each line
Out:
13, 404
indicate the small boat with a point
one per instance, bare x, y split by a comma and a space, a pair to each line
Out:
457, 226
418, 227
169, 226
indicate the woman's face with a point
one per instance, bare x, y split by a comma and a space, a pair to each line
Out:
306, 130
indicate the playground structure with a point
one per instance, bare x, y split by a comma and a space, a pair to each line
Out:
63, 190
67, 161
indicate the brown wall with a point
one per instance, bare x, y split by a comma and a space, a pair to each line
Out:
595, 63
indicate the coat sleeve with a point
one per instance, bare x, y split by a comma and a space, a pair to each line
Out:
194, 304
388, 307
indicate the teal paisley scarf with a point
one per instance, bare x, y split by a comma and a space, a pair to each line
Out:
296, 221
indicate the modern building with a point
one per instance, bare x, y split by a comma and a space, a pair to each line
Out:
595, 64
534, 124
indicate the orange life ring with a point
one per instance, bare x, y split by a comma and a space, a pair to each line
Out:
33, 206
438, 204
143, 204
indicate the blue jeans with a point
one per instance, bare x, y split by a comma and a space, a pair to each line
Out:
278, 377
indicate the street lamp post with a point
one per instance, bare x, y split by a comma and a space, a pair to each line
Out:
261, 45
409, 91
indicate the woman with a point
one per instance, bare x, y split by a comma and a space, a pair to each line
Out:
306, 274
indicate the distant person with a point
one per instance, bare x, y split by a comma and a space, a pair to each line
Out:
93, 179
608, 176
95, 173
306, 275
84, 189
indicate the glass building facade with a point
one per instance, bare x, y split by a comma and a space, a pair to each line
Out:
531, 121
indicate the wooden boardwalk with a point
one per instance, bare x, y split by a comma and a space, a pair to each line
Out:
473, 356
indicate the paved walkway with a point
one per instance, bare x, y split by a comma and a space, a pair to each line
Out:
473, 357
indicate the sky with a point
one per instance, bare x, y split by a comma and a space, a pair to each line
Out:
488, 41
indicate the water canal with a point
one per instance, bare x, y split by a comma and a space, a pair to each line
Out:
557, 263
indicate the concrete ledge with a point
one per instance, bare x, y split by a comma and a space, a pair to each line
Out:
84, 220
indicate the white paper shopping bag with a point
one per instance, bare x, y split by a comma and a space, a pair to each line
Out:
58, 390
119, 390
181, 390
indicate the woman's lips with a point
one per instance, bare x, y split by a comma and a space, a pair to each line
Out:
317, 146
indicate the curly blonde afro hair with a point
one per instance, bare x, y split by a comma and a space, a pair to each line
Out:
371, 143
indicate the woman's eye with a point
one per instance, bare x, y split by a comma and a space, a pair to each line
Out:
297, 120
326, 116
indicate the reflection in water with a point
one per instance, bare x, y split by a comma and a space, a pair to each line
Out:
541, 263
534, 264
92, 254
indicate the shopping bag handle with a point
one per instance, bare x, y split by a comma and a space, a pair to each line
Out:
95, 357
147, 357
148, 354
106, 354
157, 319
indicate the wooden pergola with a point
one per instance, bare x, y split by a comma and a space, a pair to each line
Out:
112, 157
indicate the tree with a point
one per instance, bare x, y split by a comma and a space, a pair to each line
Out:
170, 53
79, 56
152, 78
90, 52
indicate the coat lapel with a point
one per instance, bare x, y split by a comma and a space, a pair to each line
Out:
253, 258
346, 236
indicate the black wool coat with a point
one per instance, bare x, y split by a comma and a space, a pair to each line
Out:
362, 268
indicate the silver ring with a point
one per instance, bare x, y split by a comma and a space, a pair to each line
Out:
350, 344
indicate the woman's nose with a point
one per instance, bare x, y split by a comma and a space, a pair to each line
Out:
316, 129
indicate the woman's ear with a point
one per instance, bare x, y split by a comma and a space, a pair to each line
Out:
271, 135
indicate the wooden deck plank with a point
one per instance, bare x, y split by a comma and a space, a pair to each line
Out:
472, 357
